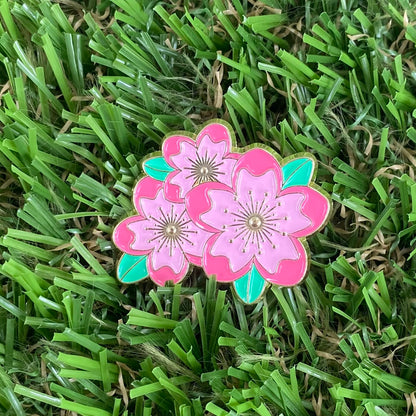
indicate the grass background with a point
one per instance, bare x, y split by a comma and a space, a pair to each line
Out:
87, 89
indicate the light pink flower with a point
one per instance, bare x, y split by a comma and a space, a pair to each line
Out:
206, 159
163, 231
255, 221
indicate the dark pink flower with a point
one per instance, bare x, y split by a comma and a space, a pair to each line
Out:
163, 231
255, 221
206, 159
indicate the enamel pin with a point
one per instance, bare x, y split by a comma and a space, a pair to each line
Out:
243, 215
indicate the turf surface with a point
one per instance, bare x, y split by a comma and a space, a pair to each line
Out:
87, 89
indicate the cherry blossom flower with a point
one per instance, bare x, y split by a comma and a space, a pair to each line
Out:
163, 231
256, 222
206, 159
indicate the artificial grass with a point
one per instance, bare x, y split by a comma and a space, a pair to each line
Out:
87, 89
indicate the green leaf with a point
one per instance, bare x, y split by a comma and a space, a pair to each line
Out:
298, 172
157, 168
131, 269
250, 287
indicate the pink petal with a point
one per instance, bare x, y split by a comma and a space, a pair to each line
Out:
226, 170
175, 146
131, 237
315, 206
147, 187
289, 272
257, 162
143, 235
218, 133
234, 156
273, 251
172, 191
238, 252
197, 261
209, 149
159, 207
219, 266
183, 181
165, 273
187, 154
198, 202
289, 211
168, 255
194, 239
252, 190
223, 205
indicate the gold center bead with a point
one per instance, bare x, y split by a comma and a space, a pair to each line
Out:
255, 222
204, 170
171, 230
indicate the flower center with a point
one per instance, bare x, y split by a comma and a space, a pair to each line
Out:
255, 222
172, 230
204, 169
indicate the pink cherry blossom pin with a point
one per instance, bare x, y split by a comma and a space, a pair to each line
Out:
243, 215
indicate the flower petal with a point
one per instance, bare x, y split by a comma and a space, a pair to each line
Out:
253, 191
290, 271
183, 182
218, 133
143, 235
257, 162
175, 149
194, 239
289, 211
238, 252
187, 154
168, 255
165, 273
197, 261
132, 237
315, 206
219, 266
274, 250
159, 207
199, 202
226, 170
223, 205
147, 187
211, 150
172, 191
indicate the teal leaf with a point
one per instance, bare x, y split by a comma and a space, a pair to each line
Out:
131, 269
250, 287
298, 172
157, 168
